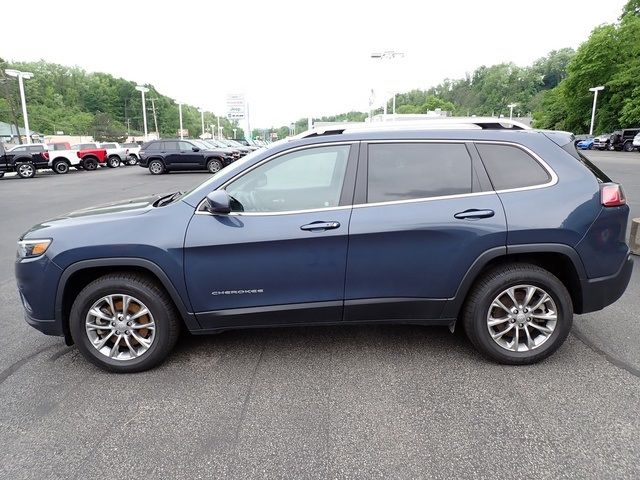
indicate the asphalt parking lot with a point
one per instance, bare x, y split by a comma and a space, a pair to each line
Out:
351, 402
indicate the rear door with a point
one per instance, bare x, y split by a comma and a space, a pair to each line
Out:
188, 158
424, 211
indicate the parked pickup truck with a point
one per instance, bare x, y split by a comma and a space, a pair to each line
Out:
133, 153
116, 154
77, 156
24, 160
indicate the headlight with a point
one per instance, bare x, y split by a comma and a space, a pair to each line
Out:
33, 248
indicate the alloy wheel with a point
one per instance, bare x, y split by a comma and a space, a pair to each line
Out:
120, 327
522, 318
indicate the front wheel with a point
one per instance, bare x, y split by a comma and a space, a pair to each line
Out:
628, 147
113, 162
26, 170
132, 160
214, 166
518, 314
124, 323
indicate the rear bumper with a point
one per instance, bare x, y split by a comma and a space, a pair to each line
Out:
598, 293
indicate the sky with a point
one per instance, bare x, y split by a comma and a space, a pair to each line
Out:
294, 59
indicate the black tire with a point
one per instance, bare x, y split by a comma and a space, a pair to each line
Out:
165, 317
90, 164
26, 170
60, 166
214, 165
489, 286
113, 161
1, 174
156, 167
628, 147
132, 160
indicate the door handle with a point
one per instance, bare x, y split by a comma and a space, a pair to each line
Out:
474, 214
313, 226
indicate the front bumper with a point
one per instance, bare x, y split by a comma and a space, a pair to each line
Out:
598, 293
48, 327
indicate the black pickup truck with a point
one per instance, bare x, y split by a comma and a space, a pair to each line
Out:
24, 160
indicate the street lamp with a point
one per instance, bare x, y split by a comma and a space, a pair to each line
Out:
511, 106
142, 89
388, 55
595, 90
180, 114
22, 76
202, 120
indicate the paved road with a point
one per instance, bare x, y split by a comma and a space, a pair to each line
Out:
352, 402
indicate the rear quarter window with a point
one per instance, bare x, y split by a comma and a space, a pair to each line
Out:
510, 167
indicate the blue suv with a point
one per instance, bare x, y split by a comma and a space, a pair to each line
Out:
505, 232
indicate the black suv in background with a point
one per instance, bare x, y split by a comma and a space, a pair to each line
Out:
623, 139
24, 160
163, 156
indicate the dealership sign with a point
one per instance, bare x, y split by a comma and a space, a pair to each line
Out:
236, 106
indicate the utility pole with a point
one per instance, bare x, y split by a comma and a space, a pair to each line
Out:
155, 118
12, 107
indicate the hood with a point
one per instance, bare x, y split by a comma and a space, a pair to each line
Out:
106, 212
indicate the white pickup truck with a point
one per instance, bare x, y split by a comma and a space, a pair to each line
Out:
133, 153
116, 153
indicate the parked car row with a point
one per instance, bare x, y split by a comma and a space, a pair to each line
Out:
626, 140
170, 154
25, 160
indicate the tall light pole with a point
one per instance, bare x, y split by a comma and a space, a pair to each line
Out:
388, 55
595, 90
511, 107
202, 120
21, 77
142, 89
180, 114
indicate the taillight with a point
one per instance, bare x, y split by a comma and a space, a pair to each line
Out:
126, 152
78, 154
611, 195
45, 154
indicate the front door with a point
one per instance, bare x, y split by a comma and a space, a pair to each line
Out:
280, 256
422, 217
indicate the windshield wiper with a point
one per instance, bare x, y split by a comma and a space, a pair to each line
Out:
167, 199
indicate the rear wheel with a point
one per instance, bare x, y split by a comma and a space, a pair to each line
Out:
60, 166
132, 160
518, 314
628, 147
113, 162
214, 165
26, 170
90, 164
124, 323
156, 167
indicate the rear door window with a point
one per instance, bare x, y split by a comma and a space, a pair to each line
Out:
510, 167
406, 171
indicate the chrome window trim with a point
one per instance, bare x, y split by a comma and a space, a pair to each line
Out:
554, 177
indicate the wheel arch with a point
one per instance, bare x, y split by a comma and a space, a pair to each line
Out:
78, 275
561, 260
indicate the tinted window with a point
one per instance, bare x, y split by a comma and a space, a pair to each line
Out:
170, 146
184, 146
19, 149
154, 146
417, 170
108, 145
511, 167
301, 180
36, 148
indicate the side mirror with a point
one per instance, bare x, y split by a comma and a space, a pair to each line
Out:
218, 202
195, 149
